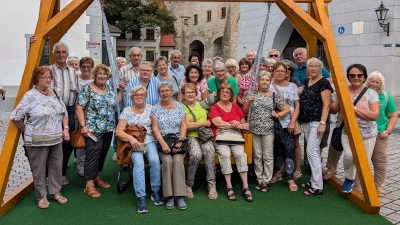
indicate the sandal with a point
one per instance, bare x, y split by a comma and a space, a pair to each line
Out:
306, 184
258, 186
313, 192
328, 173
276, 177
101, 183
248, 197
43, 203
212, 193
231, 196
292, 186
91, 191
59, 198
189, 192
297, 175
381, 192
265, 188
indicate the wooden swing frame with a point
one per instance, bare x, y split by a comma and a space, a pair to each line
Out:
313, 25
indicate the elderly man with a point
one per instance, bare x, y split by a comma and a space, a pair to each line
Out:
274, 54
194, 58
174, 68
221, 77
130, 71
73, 61
146, 80
300, 56
251, 55
65, 83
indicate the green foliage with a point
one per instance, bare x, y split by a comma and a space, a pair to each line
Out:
129, 16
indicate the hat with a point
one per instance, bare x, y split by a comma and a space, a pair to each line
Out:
208, 102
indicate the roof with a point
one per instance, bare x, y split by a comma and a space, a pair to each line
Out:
167, 40
112, 29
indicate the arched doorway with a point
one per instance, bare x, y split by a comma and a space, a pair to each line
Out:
197, 47
217, 45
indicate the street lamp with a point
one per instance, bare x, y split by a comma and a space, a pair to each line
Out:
381, 15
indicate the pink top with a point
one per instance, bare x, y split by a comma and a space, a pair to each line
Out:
200, 87
244, 85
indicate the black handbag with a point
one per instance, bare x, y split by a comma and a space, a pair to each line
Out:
336, 139
205, 133
279, 133
172, 140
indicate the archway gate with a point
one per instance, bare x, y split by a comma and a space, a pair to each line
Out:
53, 23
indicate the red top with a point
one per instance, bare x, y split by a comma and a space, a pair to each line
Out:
216, 111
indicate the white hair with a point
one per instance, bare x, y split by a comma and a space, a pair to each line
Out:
315, 60
274, 50
175, 51
72, 59
120, 58
219, 65
135, 49
303, 49
379, 75
250, 51
60, 44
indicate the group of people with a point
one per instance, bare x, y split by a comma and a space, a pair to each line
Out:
216, 95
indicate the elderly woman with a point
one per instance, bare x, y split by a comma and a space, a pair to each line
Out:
270, 65
232, 67
73, 62
221, 77
262, 111
367, 112
45, 127
139, 114
263, 64
227, 115
194, 75
168, 117
207, 67
196, 117
386, 121
288, 91
97, 101
121, 62
163, 75
314, 110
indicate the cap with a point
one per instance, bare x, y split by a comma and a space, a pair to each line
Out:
208, 102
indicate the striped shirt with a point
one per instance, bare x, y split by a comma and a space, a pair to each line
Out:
65, 83
126, 74
151, 87
179, 72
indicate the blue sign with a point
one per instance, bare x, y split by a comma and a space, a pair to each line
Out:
341, 30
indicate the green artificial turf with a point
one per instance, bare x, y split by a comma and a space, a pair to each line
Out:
279, 206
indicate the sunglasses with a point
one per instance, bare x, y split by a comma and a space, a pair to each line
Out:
359, 76
273, 56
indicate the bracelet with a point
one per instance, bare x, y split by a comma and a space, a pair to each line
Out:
66, 127
388, 132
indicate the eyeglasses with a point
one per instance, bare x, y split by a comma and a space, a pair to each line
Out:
190, 92
86, 67
45, 78
289, 69
138, 95
146, 71
359, 76
220, 71
165, 91
272, 56
313, 66
280, 71
225, 92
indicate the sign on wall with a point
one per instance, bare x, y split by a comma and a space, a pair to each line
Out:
341, 30
90, 45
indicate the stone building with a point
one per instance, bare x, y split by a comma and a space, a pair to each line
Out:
206, 28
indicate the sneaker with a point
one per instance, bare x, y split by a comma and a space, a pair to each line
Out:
142, 206
347, 185
156, 198
75, 160
181, 203
81, 173
114, 158
64, 181
170, 203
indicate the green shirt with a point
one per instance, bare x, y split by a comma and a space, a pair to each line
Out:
213, 85
201, 116
387, 107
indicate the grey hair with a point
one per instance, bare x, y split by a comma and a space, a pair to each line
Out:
160, 58
301, 48
219, 65
163, 84
290, 64
136, 89
145, 63
72, 59
217, 58
263, 60
315, 60
379, 75
120, 58
270, 60
135, 49
273, 50
60, 44
175, 51
207, 61
263, 73
250, 51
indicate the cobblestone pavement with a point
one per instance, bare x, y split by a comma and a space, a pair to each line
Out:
390, 204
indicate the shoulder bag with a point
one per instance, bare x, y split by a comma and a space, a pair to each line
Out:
125, 152
279, 133
172, 140
229, 136
77, 138
205, 133
336, 139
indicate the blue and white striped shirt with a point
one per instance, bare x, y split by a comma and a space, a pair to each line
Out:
151, 87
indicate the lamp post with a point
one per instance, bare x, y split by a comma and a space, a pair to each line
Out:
381, 15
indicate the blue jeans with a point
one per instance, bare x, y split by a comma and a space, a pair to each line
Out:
139, 183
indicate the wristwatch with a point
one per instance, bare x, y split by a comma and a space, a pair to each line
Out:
388, 132
66, 127
322, 122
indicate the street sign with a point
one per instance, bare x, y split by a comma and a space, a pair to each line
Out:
93, 45
341, 30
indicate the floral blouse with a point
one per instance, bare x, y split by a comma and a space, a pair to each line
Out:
43, 114
200, 87
100, 112
168, 122
140, 120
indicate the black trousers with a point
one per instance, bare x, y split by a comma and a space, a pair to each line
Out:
66, 145
96, 153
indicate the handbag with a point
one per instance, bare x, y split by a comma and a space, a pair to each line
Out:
77, 138
125, 152
336, 139
279, 133
172, 140
229, 136
205, 133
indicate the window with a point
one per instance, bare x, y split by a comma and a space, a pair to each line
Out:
195, 18
121, 53
104, 54
223, 12
164, 53
186, 21
208, 15
45, 59
136, 35
149, 55
149, 34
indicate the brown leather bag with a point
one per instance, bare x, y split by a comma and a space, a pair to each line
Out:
125, 152
77, 138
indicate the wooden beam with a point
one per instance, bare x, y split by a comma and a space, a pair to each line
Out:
347, 109
273, 1
312, 40
16, 195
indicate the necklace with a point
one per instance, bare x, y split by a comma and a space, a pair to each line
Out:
43, 92
139, 109
102, 88
224, 107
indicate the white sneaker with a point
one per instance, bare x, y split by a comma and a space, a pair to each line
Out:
114, 158
81, 173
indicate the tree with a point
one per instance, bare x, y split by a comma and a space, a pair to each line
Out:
129, 16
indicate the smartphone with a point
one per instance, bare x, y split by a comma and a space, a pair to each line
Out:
143, 147
91, 136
